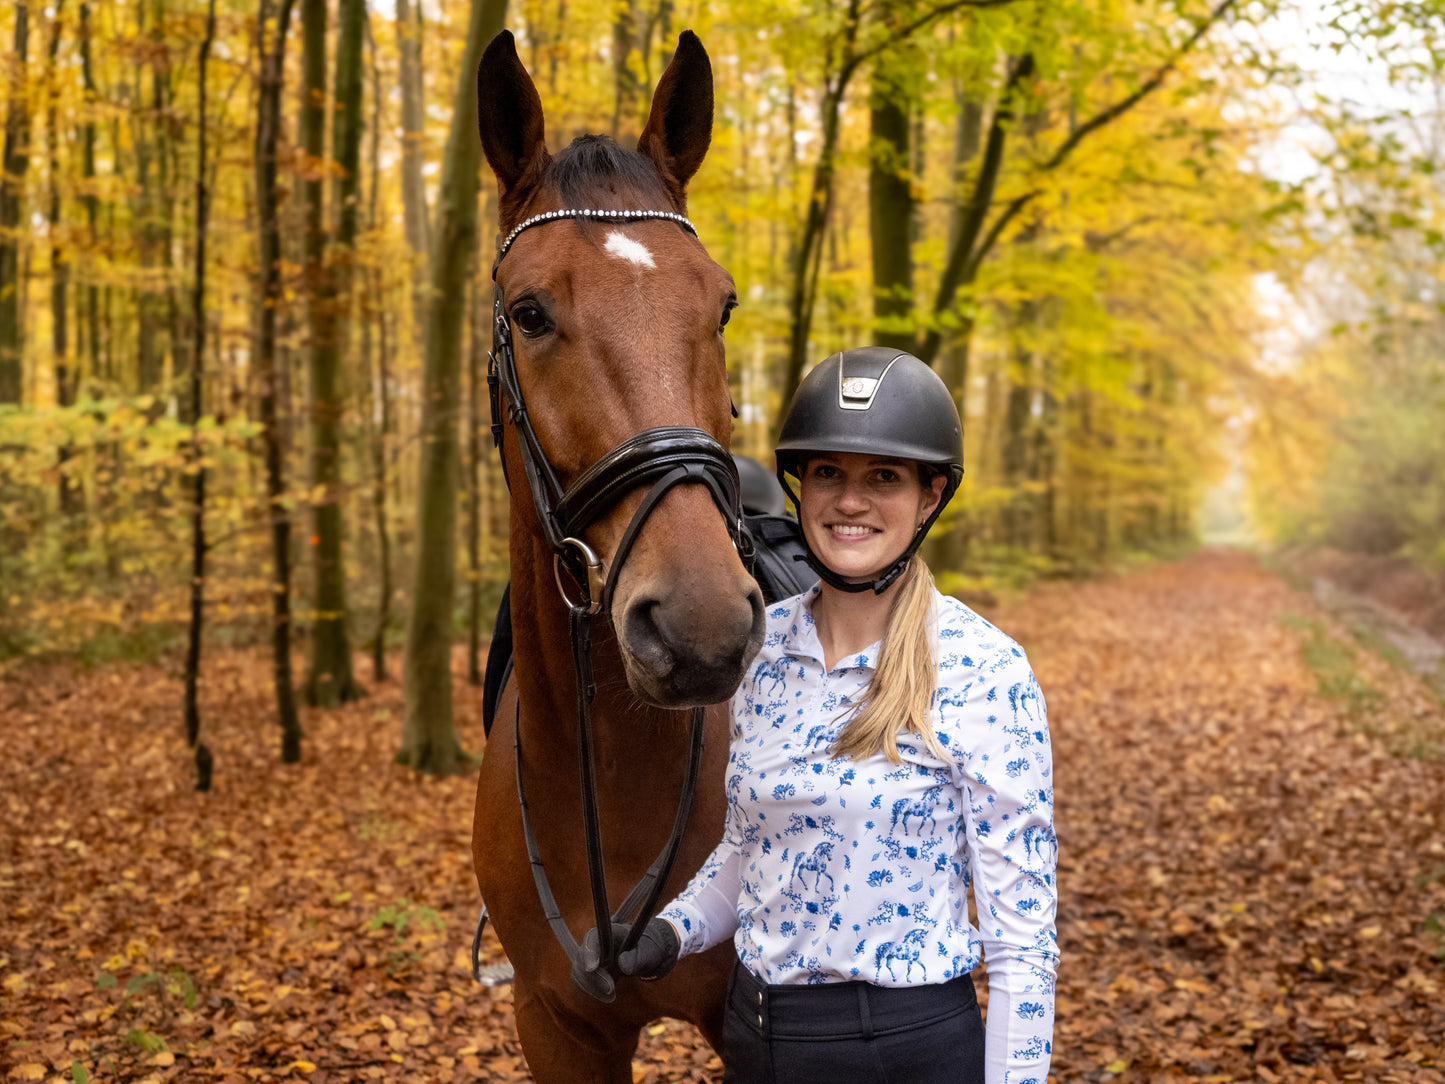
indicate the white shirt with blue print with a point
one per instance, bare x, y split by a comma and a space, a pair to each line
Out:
833, 870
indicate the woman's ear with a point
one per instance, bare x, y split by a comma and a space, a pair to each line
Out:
933, 495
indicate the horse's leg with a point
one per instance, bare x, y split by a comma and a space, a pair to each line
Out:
570, 1051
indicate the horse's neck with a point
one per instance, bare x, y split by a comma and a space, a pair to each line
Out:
626, 733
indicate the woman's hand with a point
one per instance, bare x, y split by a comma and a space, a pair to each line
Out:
654, 955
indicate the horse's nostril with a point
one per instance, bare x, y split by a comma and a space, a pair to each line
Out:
645, 639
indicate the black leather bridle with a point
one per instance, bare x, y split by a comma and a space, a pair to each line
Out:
660, 458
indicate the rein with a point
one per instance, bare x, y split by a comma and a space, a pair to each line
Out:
662, 457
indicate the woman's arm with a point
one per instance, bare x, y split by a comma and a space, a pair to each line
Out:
706, 913
1005, 769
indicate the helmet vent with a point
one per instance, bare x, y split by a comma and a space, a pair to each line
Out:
857, 392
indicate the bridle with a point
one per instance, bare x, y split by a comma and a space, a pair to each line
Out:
661, 457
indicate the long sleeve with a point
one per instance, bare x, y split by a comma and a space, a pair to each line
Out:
706, 913
1007, 776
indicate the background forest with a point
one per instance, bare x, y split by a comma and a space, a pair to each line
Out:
1161, 249
1180, 261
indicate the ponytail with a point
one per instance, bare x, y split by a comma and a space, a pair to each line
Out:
900, 695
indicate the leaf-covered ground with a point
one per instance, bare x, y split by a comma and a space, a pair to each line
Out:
1251, 816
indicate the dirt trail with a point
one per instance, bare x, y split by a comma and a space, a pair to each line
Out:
1247, 879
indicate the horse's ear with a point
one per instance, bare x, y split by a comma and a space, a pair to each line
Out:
509, 118
679, 127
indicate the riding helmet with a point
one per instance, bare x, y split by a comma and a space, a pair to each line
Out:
877, 401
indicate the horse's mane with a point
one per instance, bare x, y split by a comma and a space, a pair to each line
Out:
595, 168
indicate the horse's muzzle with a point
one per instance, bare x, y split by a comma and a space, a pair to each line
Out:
679, 652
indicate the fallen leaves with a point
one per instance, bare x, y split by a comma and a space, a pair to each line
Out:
1247, 884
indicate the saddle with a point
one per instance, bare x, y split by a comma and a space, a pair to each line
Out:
778, 565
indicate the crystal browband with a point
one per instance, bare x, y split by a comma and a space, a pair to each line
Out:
604, 216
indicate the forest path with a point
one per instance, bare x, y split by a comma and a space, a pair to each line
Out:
1252, 878
1249, 871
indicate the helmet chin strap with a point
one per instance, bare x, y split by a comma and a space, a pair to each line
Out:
886, 578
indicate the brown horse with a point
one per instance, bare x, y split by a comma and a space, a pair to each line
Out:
617, 329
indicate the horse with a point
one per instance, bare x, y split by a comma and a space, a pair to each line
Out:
909, 950
923, 809
614, 315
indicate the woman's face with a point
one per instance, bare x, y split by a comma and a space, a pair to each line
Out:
859, 512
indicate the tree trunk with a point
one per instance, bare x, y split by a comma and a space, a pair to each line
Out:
951, 550
379, 407
92, 204
890, 212
268, 129
329, 679
624, 82
480, 323
198, 517
59, 262
12, 192
968, 251
413, 149
428, 740
808, 255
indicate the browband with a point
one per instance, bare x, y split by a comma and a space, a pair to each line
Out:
604, 216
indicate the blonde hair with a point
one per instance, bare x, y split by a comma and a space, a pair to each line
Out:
900, 695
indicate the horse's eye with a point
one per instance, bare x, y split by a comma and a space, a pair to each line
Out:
530, 319
727, 315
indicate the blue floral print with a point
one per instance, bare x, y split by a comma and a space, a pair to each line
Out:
848, 869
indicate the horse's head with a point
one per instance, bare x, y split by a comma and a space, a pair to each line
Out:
617, 328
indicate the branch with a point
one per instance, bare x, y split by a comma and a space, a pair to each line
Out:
1154, 82
918, 24
963, 263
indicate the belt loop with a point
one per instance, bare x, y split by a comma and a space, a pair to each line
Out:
863, 1017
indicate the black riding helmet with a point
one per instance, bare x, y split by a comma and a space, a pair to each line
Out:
876, 401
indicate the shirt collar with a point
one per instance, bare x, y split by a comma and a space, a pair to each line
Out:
800, 637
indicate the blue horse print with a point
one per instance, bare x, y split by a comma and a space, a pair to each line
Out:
922, 809
909, 950
815, 862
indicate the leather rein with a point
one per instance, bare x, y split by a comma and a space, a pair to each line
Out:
661, 457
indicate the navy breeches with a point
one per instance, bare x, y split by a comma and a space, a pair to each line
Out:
852, 1033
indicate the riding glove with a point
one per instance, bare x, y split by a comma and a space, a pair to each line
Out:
653, 957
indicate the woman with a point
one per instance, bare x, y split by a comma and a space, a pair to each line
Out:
888, 749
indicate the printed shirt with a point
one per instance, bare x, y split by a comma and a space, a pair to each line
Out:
838, 869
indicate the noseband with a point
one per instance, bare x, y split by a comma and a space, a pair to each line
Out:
661, 457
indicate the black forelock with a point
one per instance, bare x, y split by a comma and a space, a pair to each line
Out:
594, 169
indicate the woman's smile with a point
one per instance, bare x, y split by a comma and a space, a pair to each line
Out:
859, 512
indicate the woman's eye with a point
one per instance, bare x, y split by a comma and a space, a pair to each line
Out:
530, 319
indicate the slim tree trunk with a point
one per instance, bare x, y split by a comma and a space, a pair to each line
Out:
379, 414
480, 324
413, 149
268, 129
92, 204
429, 740
808, 256
624, 82
329, 679
198, 517
59, 261
15, 162
890, 211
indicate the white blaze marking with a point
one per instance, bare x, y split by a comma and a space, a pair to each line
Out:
626, 248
